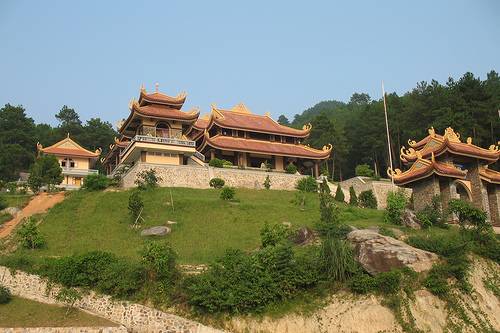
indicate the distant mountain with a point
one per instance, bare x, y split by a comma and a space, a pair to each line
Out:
308, 115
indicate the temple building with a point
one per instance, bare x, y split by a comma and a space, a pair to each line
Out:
444, 165
158, 132
154, 132
75, 161
248, 140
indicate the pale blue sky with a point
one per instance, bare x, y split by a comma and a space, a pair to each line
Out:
276, 56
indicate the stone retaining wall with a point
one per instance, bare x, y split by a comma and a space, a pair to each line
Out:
198, 176
120, 329
136, 317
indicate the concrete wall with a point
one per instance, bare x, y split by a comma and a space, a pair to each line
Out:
199, 176
136, 317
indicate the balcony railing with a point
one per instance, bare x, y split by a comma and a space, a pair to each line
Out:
199, 155
75, 171
158, 139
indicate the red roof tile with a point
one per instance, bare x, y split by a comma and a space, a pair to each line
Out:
423, 168
489, 175
161, 111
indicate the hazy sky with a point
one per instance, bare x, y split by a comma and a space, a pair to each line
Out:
276, 56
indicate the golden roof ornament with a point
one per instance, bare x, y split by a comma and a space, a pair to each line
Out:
143, 88
307, 127
431, 131
419, 154
469, 140
451, 135
156, 86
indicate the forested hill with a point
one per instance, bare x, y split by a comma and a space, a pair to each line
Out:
357, 129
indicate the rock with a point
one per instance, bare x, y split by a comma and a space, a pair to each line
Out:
410, 219
378, 253
303, 236
156, 231
10, 210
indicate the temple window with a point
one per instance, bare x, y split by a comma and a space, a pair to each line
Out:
68, 162
162, 130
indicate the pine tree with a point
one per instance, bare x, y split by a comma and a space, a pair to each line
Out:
353, 199
339, 195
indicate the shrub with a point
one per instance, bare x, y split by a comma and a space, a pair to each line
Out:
362, 283
336, 259
4, 217
470, 218
5, 295
432, 215
324, 188
45, 171
329, 216
272, 235
386, 232
147, 179
216, 182
3, 202
135, 205
227, 193
121, 279
216, 163
385, 283
159, 261
364, 170
367, 199
307, 184
95, 182
291, 168
353, 199
388, 282
226, 163
396, 203
436, 280
68, 296
29, 236
339, 194
267, 183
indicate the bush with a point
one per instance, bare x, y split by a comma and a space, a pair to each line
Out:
216, 182
5, 295
367, 199
3, 202
339, 194
45, 171
95, 182
436, 281
216, 163
432, 215
470, 218
307, 184
69, 296
353, 199
272, 235
267, 183
159, 260
121, 279
329, 223
362, 283
147, 179
364, 170
291, 168
385, 283
29, 236
227, 193
396, 203
135, 205
336, 259
324, 188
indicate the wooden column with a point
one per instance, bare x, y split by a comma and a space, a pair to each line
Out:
316, 169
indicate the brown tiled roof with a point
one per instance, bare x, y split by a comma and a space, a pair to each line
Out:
160, 98
489, 175
423, 168
449, 142
239, 117
201, 123
161, 111
265, 147
70, 148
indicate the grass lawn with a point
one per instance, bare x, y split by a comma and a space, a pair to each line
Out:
20, 312
206, 225
17, 200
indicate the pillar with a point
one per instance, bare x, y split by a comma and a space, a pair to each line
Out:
278, 160
478, 189
494, 201
316, 169
212, 154
423, 192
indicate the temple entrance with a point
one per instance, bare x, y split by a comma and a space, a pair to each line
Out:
463, 191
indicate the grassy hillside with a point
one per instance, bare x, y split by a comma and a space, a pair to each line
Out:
20, 312
206, 225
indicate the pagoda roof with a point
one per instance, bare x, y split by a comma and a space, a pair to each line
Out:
424, 168
264, 147
241, 118
449, 142
114, 147
68, 147
161, 98
489, 175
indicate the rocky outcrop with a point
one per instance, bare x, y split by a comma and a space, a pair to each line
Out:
378, 253
410, 220
156, 231
10, 210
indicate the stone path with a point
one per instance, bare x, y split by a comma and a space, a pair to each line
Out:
39, 204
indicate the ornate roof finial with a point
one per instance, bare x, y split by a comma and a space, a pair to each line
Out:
156, 86
432, 132
143, 88
469, 140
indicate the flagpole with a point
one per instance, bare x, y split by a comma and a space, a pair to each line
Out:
387, 128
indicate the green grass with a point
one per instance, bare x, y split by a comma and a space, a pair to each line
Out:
17, 200
20, 312
4, 217
206, 225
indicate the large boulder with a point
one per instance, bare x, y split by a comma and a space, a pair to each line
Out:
155, 231
303, 236
10, 210
378, 253
410, 220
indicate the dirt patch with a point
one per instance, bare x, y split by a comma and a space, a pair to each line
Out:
39, 204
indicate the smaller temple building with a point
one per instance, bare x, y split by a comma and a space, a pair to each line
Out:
443, 165
248, 140
76, 162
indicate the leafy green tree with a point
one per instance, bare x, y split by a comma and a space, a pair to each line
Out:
367, 199
396, 203
45, 171
160, 262
95, 182
364, 170
283, 120
267, 183
135, 205
29, 235
353, 199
